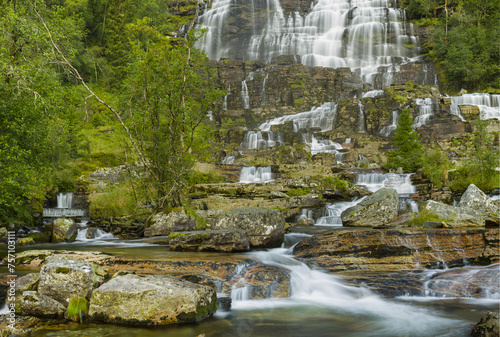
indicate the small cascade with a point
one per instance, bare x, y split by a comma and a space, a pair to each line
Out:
348, 140
489, 104
262, 139
305, 214
361, 122
425, 109
263, 95
64, 204
330, 215
99, 235
224, 103
386, 131
292, 239
373, 93
252, 174
324, 146
229, 160
244, 95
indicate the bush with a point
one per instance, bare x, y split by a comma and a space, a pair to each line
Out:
196, 177
113, 201
435, 166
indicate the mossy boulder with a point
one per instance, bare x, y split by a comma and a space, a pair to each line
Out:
151, 300
64, 230
454, 216
376, 210
36, 304
163, 223
476, 201
265, 227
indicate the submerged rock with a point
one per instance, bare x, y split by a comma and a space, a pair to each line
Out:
151, 300
488, 326
64, 230
60, 278
265, 227
210, 241
165, 223
476, 201
376, 210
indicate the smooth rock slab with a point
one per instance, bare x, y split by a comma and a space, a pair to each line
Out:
151, 300
210, 241
376, 210
61, 278
265, 227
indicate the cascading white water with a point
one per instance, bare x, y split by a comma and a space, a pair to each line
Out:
369, 37
64, 204
324, 146
252, 174
387, 130
262, 139
489, 104
244, 95
228, 160
425, 108
373, 93
100, 235
64, 200
361, 121
332, 211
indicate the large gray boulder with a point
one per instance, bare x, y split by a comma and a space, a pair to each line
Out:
60, 278
265, 227
375, 210
35, 304
476, 201
165, 223
64, 230
210, 241
151, 300
488, 326
454, 216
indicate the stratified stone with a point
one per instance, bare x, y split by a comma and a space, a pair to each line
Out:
265, 227
454, 216
165, 223
488, 326
210, 241
476, 201
401, 249
376, 210
35, 304
61, 278
151, 300
64, 230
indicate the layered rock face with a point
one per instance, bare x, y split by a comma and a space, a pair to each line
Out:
210, 241
404, 249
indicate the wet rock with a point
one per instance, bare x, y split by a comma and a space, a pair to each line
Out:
433, 224
488, 326
36, 257
398, 249
259, 282
305, 222
265, 227
60, 278
377, 209
151, 300
91, 233
224, 303
210, 241
165, 223
64, 230
35, 304
476, 201
454, 216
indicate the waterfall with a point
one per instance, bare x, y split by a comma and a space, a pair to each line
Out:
244, 95
262, 139
323, 146
229, 160
63, 209
263, 96
373, 93
361, 122
369, 37
425, 109
332, 211
488, 104
252, 174
64, 200
387, 130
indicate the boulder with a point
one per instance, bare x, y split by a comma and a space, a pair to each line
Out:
151, 300
64, 230
476, 201
265, 227
3, 233
35, 304
488, 326
454, 216
210, 241
60, 278
305, 222
165, 223
376, 210
25, 283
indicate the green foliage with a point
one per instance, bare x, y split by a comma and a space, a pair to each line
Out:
296, 192
418, 219
197, 177
435, 165
408, 152
77, 309
113, 201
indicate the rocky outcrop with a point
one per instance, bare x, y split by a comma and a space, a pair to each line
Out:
35, 304
476, 201
265, 227
165, 223
151, 300
402, 249
376, 210
488, 326
210, 241
64, 230
60, 278
454, 216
